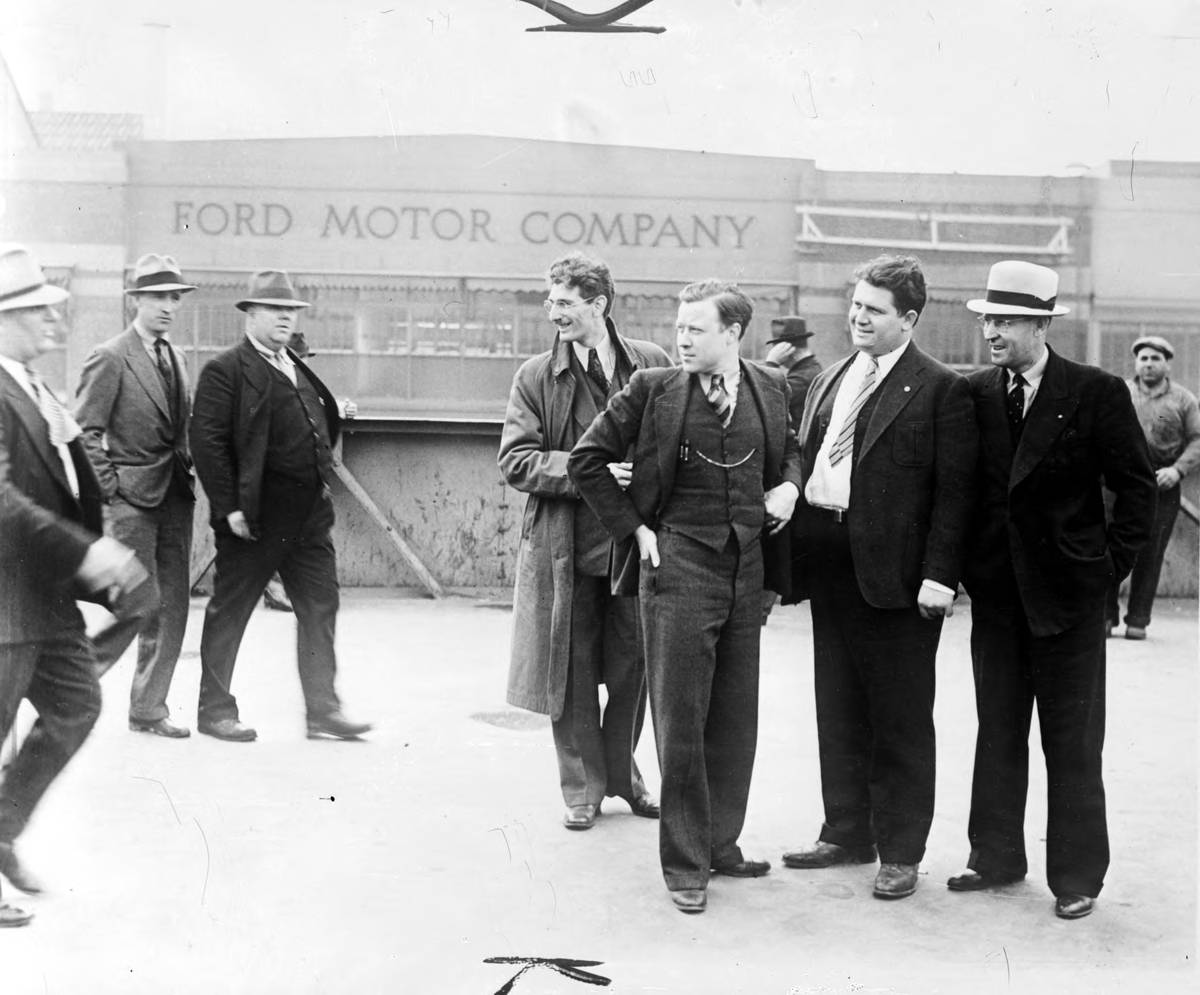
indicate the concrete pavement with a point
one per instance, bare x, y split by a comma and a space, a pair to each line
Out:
400, 863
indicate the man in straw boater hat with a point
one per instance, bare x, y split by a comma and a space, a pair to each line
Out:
263, 431
1040, 563
51, 553
134, 404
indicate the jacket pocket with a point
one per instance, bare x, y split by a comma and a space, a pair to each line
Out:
912, 444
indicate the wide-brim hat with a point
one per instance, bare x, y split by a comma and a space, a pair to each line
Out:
272, 287
788, 328
22, 282
1020, 288
155, 274
1153, 342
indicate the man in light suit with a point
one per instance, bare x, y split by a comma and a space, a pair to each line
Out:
133, 405
50, 553
714, 468
1040, 564
889, 447
263, 431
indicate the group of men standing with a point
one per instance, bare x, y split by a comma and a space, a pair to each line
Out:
98, 504
899, 480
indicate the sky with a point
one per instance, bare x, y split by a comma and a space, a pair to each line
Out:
1056, 87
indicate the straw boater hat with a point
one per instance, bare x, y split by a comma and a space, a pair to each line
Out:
155, 274
272, 287
1020, 288
1154, 342
788, 328
22, 283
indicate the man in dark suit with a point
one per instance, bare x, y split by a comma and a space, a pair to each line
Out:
263, 431
1040, 564
571, 634
714, 466
788, 349
50, 553
889, 449
133, 405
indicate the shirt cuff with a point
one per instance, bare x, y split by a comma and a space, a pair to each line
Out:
933, 585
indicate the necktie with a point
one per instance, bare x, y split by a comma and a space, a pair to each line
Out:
844, 443
718, 397
1016, 406
167, 372
63, 427
596, 371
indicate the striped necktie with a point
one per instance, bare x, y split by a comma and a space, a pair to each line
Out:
844, 443
718, 397
63, 428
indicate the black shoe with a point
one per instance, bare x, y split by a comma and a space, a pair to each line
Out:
645, 805
581, 816
16, 873
1073, 906
822, 854
336, 726
159, 727
743, 869
974, 881
230, 730
895, 880
690, 900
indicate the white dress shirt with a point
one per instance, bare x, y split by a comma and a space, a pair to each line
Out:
280, 360
1033, 380
604, 351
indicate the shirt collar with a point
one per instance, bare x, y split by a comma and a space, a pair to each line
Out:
19, 374
604, 350
1033, 375
885, 362
281, 357
148, 340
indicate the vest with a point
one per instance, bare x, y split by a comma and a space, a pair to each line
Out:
709, 501
298, 438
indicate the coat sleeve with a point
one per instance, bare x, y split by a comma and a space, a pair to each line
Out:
526, 460
1125, 462
956, 441
212, 437
99, 387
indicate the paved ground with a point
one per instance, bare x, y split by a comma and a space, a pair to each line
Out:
398, 865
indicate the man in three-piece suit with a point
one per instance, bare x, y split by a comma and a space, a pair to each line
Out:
889, 446
133, 405
51, 552
1040, 564
570, 632
714, 468
263, 431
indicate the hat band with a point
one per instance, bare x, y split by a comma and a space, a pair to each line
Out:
156, 279
22, 292
1016, 299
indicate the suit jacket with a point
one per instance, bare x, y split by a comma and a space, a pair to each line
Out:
44, 529
1039, 538
911, 485
123, 409
230, 422
649, 415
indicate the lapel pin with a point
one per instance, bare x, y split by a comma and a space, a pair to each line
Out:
907, 388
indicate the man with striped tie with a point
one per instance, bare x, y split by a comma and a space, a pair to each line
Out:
716, 472
889, 443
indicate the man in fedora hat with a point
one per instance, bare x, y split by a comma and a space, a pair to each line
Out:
263, 431
1170, 421
133, 404
51, 552
1039, 566
789, 350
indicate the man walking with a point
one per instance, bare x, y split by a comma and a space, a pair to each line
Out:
263, 431
714, 465
134, 405
1170, 421
889, 444
570, 632
1040, 564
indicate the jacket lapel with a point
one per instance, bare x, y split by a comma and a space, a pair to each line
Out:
562, 397
822, 394
143, 369
669, 409
256, 374
1049, 414
900, 386
35, 426
770, 409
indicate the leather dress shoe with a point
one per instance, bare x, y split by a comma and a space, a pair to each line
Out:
10, 915
1073, 906
822, 854
690, 900
160, 727
974, 881
228, 729
16, 873
581, 816
645, 805
336, 726
895, 880
743, 869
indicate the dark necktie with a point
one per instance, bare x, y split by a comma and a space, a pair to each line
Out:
718, 397
1016, 406
165, 370
596, 371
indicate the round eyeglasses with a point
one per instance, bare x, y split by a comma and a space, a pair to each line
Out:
564, 305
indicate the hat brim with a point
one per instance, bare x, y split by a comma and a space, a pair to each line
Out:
271, 302
791, 338
991, 307
46, 294
161, 288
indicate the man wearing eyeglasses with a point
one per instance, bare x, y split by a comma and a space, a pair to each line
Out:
570, 633
1040, 563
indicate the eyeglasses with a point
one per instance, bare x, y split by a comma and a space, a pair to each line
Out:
1000, 324
564, 305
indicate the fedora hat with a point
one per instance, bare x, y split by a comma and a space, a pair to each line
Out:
1154, 342
272, 287
1020, 288
22, 282
788, 328
155, 274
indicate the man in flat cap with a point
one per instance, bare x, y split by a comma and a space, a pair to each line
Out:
1170, 421
263, 431
1039, 565
789, 351
133, 404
